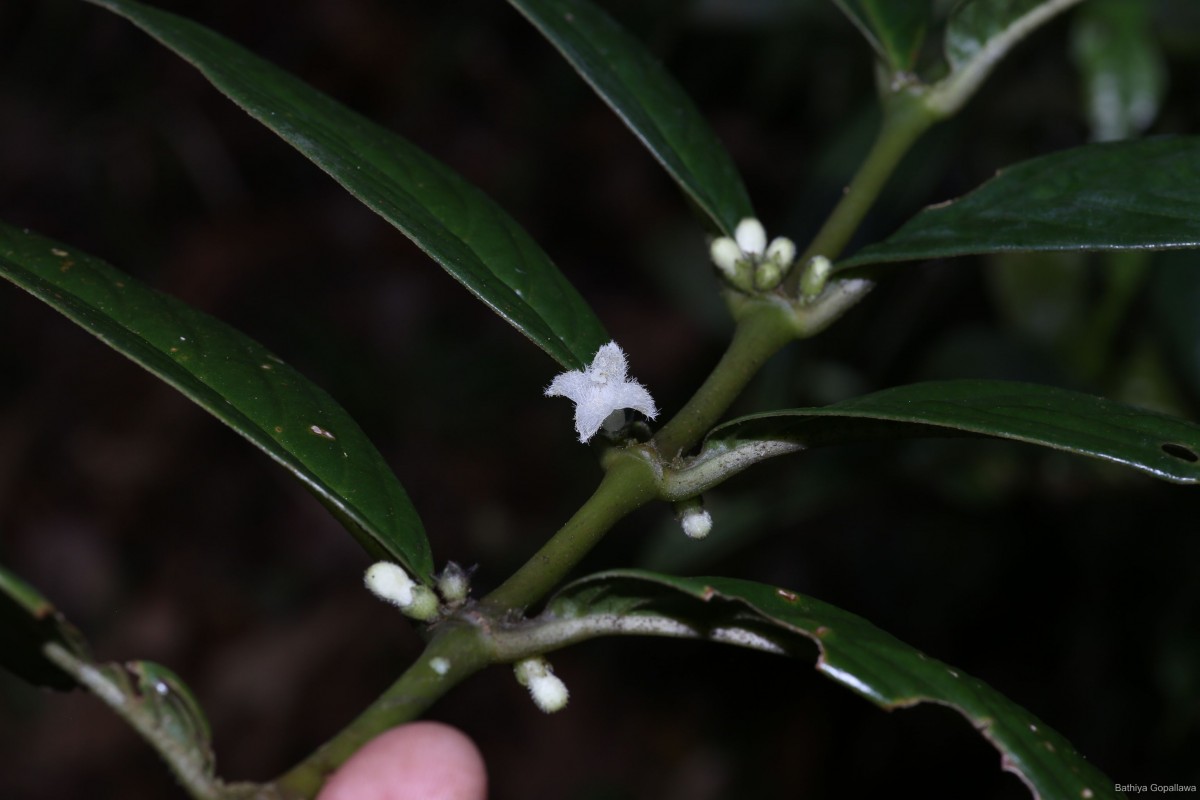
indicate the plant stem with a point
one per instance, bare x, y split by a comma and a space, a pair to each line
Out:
629, 483
464, 651
905, 118
633, 475
759, 334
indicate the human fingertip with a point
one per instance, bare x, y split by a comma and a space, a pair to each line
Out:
419, 761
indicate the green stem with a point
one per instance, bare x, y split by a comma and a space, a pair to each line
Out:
759, 334
905, 118
633, 476
630, 482
463, 650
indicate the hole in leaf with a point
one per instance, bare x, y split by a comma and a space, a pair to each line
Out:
1181, 452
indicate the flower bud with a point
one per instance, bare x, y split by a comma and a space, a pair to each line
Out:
549, 693
782, 251
390, 582
767, 276
424, 605
751, 237
695, 521
453, 584
725, 254
816, 273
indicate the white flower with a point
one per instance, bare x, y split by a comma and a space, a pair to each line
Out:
601, 389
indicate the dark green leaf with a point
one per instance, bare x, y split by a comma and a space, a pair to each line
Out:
649, 101
1164, 446
171, 703
853, 652
236, 380
448, 218
27, 622
1116, 196
1123, 68
895, 28
156, 703
39, 645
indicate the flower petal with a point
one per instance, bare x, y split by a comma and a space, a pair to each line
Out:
573, 384
590, 413
633, 395
609, 365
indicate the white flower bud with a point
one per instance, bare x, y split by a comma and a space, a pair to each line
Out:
390, 582
751, 237
453, 584
782, 251
439, 665
696, 522
549, 693
725, 254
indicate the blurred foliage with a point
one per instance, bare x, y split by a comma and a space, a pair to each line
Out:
164, 537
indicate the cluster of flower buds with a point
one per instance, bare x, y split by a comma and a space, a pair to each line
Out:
389, 582
748, 262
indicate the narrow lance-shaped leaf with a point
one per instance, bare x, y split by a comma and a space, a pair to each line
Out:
447, 217
895, 28
1114, 196
236, 380
1163, 446
853, 652
38, 644
28, 621
159, 706
648, 100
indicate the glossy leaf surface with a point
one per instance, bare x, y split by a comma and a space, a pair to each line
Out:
453, 222
853, 652
1115, 196
27, 622
895, 28
637, 87
159, 706
236, 380
1163, 446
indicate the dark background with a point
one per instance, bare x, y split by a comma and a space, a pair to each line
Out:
1069, 586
